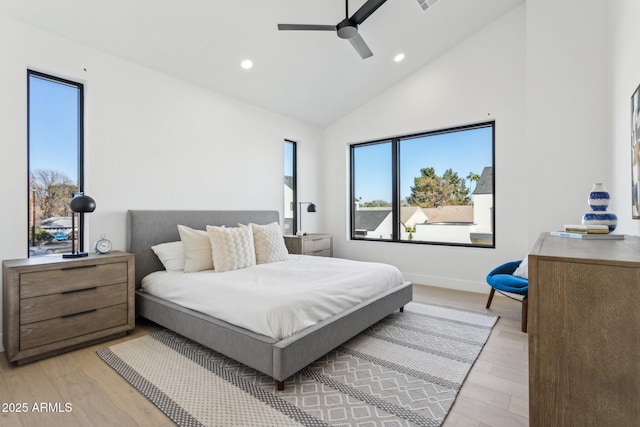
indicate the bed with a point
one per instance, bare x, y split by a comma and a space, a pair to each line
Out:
278, 358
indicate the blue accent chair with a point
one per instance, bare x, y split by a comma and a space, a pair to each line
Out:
501, 279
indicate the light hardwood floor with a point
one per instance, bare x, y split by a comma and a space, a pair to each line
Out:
494, 394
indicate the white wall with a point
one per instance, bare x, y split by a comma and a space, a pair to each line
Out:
568, 143
151, 141
625, 34
481, 79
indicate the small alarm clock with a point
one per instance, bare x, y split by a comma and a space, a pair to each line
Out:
103, 245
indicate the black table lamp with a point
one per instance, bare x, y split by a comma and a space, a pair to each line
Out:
80, 204
310, 208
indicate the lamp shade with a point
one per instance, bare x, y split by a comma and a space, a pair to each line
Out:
310, 208
82, 203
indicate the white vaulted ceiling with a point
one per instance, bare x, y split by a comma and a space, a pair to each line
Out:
311, 76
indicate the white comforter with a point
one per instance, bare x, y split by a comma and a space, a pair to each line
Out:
280, 298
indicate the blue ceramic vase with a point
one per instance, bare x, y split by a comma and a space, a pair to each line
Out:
598, 201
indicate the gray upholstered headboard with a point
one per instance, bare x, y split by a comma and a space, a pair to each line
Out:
148, 228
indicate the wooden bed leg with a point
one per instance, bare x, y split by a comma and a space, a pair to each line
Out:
280, 385
401, 309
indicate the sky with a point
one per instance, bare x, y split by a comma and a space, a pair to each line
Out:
53, 127
288, 158
463, 152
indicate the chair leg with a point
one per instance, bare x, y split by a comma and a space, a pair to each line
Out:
525, 311
493, 291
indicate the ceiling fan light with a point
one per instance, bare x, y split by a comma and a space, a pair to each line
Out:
399, 57
246, 64
347, 29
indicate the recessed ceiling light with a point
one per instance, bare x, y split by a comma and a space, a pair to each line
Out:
399, 57
246, 64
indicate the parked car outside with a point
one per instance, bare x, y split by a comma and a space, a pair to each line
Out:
39, 250
59, 236
49, 248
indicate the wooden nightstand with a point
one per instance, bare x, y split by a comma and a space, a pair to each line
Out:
52, 304
310, 244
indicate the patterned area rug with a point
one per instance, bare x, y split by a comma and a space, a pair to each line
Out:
405, 370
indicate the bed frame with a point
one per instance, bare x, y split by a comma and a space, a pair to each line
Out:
277, 358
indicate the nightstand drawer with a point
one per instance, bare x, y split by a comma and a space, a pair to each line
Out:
63, 304
64, 327
316, 245
48, 282
324, 252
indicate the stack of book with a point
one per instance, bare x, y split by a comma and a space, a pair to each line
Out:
582, 231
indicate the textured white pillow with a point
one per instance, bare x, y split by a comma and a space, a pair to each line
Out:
523, 269
171, 255
232, 248
197, 249
269, 243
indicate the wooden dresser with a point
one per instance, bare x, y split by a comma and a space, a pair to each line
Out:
584, 332
310, 244
51, 304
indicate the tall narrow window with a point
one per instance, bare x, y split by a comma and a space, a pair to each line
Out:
290, 197
55, 161
434, 187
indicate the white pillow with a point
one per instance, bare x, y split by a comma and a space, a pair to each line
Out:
269, 243
232, 248
197, 249
171, 255
523, 269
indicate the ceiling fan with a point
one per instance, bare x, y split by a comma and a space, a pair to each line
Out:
347, 28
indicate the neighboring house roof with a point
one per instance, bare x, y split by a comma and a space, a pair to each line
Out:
370, 219
406, 212
449, 214
485, 184
57, 222
288, 181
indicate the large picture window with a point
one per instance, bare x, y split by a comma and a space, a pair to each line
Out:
435, 187
55, 146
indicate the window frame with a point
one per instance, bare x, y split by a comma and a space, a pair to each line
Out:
80, 149
396, 191
294, 186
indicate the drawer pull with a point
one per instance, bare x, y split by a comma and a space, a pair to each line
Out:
79, 267
78, 314
79, 290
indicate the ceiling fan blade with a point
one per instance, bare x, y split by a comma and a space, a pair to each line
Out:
366, 10
360, 46
304, 27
